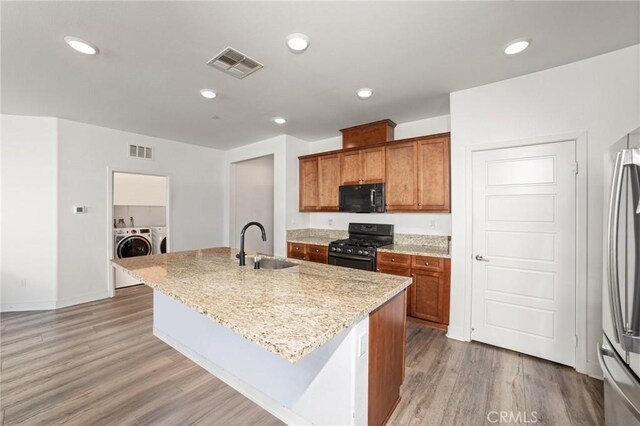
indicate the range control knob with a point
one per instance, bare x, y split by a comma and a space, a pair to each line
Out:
333, 249
349, 250
338, 249
359, 251
366, 253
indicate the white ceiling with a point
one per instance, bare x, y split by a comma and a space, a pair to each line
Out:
153, 55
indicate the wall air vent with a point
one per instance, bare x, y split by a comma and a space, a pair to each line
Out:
138, 151
235, 63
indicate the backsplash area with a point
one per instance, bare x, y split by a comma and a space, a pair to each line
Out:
436, 241
143, 216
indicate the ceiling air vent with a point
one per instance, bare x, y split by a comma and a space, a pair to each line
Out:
235, 63
139, 151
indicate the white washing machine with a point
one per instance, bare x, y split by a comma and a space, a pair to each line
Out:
130, 242
159, 239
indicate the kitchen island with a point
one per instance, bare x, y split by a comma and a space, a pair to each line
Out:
312, 344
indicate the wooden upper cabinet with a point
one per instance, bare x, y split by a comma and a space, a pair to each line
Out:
416, 172
434, 191
402, 176
363, 166
350, 168
372, 161
367, 134
328, 182
309, 184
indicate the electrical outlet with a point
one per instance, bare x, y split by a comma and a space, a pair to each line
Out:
330, 221
432, 224
363, 344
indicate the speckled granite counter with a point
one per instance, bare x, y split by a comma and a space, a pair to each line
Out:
417, 250
289, 312
320, 241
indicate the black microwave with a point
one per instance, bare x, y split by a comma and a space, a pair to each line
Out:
362, 198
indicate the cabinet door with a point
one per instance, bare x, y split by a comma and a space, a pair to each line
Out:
402, 176
309, 184
430, 297
350, 168
433, 175
317, 253
403, 272
373, 165
328, 182
297, 251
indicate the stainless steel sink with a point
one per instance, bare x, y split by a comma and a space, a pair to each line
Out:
269, 263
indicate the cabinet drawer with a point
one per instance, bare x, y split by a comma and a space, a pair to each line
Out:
393, 269
427, 263
393, 260
318, 254
297, 251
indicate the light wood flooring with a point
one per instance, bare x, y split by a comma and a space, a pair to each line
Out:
99, 364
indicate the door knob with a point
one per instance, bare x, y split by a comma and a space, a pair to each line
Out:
480, 258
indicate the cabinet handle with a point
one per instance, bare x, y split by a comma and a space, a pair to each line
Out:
393, 260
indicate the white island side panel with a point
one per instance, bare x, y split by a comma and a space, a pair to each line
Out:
328, 386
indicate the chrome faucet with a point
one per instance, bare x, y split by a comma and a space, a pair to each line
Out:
241, 255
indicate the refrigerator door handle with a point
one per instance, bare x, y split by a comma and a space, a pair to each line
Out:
605, 351
613, 284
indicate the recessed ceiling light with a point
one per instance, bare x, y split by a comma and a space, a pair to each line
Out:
279, 120
81, 46
297, 42
516, 46
208, 93
365, 93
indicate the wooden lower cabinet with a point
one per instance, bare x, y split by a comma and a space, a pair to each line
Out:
387, 337
428, 296
310, 252
317, 253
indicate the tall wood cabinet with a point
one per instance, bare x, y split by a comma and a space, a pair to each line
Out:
328, 182
402, 176
433, 174
418, 175
308, 184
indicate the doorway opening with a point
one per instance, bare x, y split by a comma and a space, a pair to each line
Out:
138, 219
251, 199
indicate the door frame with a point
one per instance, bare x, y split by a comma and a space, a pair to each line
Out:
580, 142
111, 285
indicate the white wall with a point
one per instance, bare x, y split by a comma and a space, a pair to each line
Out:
285, 151
131, 189
599, 96
86, 153
251, 199
406, 223
29, 152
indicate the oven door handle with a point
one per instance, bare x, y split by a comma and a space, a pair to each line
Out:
349, 256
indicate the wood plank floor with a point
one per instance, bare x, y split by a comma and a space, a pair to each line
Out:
99, 364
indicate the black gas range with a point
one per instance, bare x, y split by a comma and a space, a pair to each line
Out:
359, 250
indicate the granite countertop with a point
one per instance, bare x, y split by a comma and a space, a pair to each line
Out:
417, 250
320, 241
289, 312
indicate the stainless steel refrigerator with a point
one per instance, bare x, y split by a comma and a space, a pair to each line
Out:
620, 350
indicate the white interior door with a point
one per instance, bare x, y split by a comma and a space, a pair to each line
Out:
524, 247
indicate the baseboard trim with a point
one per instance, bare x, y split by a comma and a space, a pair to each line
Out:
92, 297
28, 306
264, 401
456, 333
594, 370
